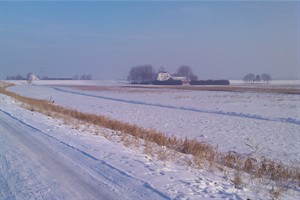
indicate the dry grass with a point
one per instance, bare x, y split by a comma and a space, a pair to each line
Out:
148, 148
5, 84
202, 152
249, 165
276, 192
162, 154
237, 180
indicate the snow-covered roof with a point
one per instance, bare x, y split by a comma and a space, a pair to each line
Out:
163, 76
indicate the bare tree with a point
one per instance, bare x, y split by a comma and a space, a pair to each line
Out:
257, 78
29, 78
186, 71
266, 78
141, 73
89, 77
20, 77
75, 77
86, 77
83, 77
249, 78
193, 77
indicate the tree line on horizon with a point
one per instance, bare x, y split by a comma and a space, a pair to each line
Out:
75, 77
15, 77
147, 73
251, 78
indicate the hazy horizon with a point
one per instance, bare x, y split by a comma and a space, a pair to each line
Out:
219, 40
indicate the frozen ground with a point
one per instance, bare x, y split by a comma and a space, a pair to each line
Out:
264, 124
41, 158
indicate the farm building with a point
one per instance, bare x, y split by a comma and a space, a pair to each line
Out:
165, 76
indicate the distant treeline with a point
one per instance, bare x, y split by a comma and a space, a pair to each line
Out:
179, 82
20, 77
83, 77
146, 75
16, 77
60, 79
252, 78
75, 77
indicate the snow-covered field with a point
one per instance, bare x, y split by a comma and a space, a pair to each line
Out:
264, 124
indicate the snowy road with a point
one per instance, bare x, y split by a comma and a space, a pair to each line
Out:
36, 170
35, 165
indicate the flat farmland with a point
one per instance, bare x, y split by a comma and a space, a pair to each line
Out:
253, 120
234, 142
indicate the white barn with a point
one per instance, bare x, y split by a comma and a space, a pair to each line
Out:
31, 78
164, 76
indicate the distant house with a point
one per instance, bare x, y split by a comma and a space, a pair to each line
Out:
184, 80
165, 76
31, 78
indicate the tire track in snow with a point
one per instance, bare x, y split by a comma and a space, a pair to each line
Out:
232, 114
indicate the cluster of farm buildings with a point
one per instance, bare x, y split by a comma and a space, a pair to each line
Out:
165, 78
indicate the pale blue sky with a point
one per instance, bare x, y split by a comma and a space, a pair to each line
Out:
105, 39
